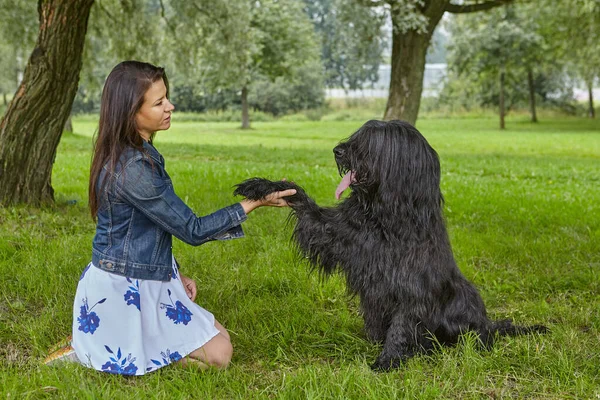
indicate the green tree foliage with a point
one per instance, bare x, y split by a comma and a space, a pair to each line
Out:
189, 98
551, 42
240, 42
494, 52
282, 95
573, 26
352, 41
214, 51
277, 97
120, 30
18, 32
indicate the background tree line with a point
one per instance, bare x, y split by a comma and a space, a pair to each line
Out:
524, 55
282, 52
276, 56
337, 44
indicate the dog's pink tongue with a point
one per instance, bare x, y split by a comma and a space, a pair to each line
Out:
346, 181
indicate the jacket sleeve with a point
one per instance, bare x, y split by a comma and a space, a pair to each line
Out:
148, 190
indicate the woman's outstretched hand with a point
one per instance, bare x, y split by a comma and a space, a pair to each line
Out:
274, 199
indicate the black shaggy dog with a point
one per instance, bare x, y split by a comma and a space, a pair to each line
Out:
389, 239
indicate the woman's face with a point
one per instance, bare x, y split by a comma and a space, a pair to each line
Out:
155, 113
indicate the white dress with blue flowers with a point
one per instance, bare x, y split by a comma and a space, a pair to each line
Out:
134, 326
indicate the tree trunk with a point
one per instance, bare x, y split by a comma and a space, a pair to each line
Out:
33, 123
531, 95
68, 125
591, 111
502, 111
406, 83
5, 99
245, 116
408, 65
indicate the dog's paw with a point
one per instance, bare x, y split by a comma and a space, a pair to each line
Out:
385, 364
539, 328
259, 188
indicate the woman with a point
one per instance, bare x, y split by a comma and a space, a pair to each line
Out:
134, 311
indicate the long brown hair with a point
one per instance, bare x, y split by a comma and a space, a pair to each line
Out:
122, 97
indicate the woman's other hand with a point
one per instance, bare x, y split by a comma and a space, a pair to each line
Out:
189, 285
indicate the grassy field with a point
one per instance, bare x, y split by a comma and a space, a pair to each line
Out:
523, 214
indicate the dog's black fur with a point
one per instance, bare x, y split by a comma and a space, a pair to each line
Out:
389, 239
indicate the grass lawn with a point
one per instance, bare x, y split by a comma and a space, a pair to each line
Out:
523, 214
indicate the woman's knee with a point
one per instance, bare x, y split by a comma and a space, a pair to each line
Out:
217, 352
222, 329
222, 358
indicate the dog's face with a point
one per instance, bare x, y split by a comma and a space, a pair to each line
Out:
391, 159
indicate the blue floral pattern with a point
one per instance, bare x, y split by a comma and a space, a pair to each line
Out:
132, 296
88, 320
177, 311
115, 365
167, 358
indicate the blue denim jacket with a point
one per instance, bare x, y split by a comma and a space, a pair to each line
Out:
139, 212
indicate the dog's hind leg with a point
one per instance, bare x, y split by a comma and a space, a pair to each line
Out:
376, 319
405, 338
487, 338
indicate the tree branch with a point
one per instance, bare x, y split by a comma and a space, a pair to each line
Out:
469, 8
373, 3
209, 14
105, 11
164, 17
215, 18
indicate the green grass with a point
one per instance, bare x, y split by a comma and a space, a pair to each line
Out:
522, 208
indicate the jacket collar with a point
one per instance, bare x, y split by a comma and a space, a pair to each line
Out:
152, 152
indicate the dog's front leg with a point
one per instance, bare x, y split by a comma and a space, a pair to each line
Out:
317, 236
315, 232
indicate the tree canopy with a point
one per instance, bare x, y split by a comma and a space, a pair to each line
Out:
352, 41
543, 49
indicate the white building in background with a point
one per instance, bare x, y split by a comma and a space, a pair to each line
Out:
432, 83
583, 95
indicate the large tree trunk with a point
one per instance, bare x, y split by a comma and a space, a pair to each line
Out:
531, 95
408, 69
591, 111
408, 64
502, 109
34, 121
245, 115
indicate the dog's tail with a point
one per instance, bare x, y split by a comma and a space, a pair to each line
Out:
506, 327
